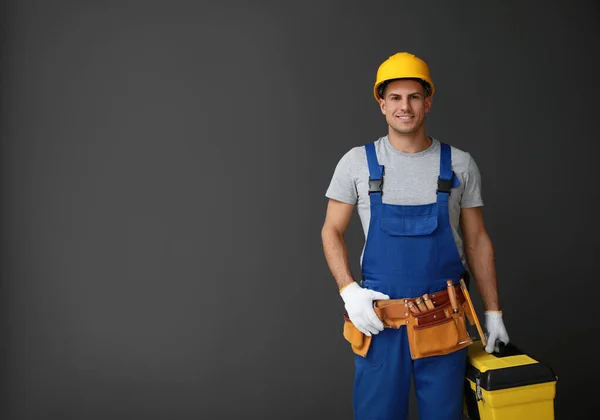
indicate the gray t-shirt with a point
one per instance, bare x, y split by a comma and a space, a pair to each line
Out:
410, 178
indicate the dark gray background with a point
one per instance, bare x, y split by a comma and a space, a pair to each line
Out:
164, 166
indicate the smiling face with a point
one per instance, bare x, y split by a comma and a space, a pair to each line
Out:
405, 105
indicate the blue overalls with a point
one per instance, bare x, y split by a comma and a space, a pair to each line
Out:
409, 251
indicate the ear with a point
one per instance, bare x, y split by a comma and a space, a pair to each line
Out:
428, 103
382, 106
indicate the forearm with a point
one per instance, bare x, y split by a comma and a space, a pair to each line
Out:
480, 257
336, 255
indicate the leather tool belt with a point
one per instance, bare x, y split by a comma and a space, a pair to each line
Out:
431, 332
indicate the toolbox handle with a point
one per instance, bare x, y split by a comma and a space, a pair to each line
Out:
501, 349
505, 350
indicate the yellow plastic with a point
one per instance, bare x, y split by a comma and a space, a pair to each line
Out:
484, 361
402, 65
519, 403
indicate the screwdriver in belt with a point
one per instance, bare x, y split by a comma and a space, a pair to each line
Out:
422, 307
428, 301
452, 296
413, 308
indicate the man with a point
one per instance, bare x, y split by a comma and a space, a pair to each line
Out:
419, 202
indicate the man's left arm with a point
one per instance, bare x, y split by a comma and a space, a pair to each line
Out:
480, 256
479, 252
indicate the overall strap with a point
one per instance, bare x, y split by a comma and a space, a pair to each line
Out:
446, 174
376, 173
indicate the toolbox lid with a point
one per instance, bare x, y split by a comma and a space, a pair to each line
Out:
508, 368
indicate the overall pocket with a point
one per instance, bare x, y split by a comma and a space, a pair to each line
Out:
410, 246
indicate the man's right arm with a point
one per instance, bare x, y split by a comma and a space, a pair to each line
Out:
337, 220
357, 301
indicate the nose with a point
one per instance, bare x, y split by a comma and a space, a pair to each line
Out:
404, 105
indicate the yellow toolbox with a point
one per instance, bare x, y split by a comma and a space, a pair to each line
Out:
508, 385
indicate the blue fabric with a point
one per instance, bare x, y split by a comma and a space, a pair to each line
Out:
410, 251
376, 171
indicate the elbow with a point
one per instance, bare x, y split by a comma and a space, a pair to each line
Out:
478, 242
328, 232
324, 232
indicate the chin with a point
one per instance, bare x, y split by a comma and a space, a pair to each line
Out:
407, 130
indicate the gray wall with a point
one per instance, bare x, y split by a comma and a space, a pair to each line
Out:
164, 166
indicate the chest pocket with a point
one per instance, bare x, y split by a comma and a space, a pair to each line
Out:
409, 238
410, 226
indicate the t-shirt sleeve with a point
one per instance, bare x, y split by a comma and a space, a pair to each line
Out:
472, 193
342, 186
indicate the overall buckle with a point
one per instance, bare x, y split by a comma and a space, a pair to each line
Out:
444, 185
375, 185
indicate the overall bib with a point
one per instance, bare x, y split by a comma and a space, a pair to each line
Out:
410, 251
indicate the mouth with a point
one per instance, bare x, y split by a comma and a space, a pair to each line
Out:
405, 117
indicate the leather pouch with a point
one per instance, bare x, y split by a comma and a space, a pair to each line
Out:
468, 313
358, 341
391, 312
437, 332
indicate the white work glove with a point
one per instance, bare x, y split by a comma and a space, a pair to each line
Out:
495, 331
359, 306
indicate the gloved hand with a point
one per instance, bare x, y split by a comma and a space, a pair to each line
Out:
495, 330
359, 306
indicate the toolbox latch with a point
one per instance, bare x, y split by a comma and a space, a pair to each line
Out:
478, 393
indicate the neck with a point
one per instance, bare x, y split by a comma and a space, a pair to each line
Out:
409, 143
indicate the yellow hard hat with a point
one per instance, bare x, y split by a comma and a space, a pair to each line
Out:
402, 65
